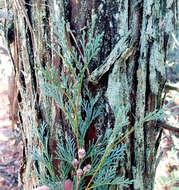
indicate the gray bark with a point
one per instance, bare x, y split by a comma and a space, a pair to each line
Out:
135, 80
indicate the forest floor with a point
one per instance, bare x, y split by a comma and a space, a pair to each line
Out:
10, 150
167, 174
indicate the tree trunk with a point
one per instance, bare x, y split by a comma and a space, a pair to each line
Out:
135, 79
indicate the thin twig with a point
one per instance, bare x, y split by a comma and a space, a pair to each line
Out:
174, 38
167, 126
76, 43
107, 152
170, 87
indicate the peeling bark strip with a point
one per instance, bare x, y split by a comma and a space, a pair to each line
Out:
121, 52
131, 62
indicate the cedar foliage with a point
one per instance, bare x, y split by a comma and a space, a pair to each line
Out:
96, 168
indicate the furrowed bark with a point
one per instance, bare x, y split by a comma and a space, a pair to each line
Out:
126, 73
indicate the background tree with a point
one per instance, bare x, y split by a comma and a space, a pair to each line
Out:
129, 70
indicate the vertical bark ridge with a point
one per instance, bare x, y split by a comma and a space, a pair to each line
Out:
136, 83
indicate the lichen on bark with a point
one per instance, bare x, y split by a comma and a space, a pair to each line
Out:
135, 82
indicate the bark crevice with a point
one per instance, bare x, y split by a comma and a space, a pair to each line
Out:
135, 80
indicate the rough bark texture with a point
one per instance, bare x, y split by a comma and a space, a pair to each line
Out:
136, 81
